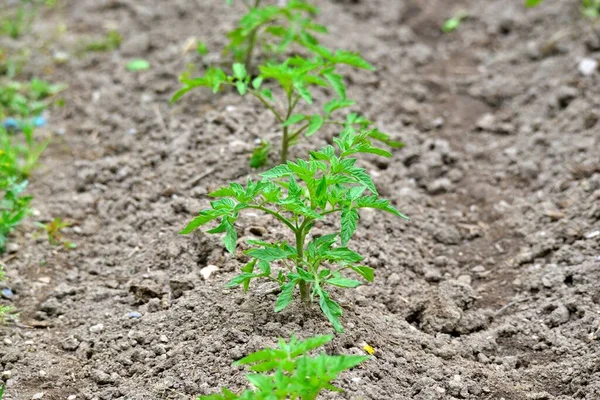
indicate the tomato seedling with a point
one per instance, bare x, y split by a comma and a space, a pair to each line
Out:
288, 372
272, 29
298, 194
294, 78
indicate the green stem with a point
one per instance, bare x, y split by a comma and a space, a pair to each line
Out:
266, 104
300, 250
251, 44
276, 215
284, 145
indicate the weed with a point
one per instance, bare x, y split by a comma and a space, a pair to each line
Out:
111, 41
273, 29
589, 8
288, 372
452, 24
53, 231
294, 78
137, 65
298, 194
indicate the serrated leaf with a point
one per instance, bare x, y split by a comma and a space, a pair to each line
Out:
331, 309
268, 254
316, 122
294, 119
364, 271
285, 297
230, 238
277, 172
349, 219
337, 83
343, 282
361, 175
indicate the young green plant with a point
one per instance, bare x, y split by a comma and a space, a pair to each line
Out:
294, 78
589, 8
298, 194
288, 372
273, 29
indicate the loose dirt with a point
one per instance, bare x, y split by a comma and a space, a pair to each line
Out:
489, 292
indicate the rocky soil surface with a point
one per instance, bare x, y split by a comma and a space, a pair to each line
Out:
489, 292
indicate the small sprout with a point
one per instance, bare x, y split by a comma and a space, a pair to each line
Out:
53, 231
201, 48
453, 23
110, 42
288, 372
137, 65
260, 155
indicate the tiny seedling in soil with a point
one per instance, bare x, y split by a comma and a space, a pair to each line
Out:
53, 231
111, 41
137, 65
589, 8
453, 23
272, 29
298, 194
294, 78
288, 372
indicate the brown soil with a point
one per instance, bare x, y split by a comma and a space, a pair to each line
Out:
490, 292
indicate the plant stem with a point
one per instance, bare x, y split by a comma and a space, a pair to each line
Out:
284, 145
300, 249
251, 44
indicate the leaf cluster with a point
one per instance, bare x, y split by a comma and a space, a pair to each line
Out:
589, 8
289, 372
298, 194
273, 29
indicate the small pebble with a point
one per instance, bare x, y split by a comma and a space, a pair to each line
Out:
97, 328
37, 396
207, 271
163, 338
12, 248
71, 397
134, 315
44, 279
592, 234
7, 293
7, 342
6, 375
587, 66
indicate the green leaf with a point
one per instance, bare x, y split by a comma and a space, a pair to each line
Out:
269, 254
344, 282
364, 271
303, 92
239, 71
294, 119
137, 65
201, 48
285, 297
277, 172
257, 82
532, 3
230, 238
337, 104
341, 254
337, 83
348, 224
204, 217
316, 122
331, 309
241, 87
361, 176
